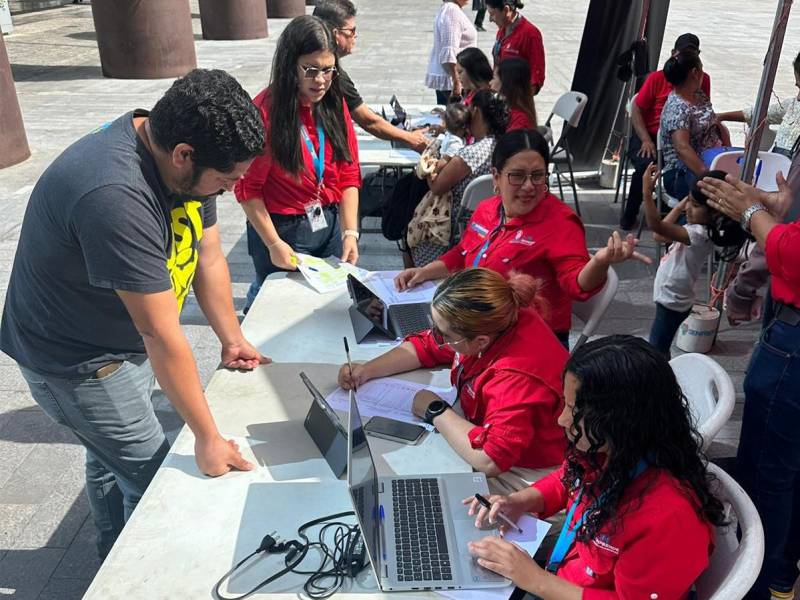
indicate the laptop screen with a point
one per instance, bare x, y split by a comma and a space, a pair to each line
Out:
368, 304
363, 482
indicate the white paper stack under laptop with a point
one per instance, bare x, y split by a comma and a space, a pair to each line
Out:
382, 283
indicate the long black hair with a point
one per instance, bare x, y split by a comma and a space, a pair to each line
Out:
629, 401
726, 233
477, 66
303, 35
494, 109
515, 85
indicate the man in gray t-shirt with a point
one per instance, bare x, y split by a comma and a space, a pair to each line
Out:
117, 230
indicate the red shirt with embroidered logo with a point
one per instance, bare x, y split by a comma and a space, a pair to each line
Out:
658, 548
286, 194
525, 41
782, 251
548, 243
512, 393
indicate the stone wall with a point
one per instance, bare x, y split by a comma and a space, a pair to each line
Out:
22, 6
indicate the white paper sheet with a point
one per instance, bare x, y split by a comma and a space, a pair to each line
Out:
502, 593
382, 283
533, 532
388, 397
323, 276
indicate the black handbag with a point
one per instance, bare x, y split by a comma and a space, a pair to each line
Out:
398, 211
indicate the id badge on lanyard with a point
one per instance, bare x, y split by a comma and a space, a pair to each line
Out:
314, 212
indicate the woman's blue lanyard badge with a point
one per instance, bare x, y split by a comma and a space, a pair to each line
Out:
489, 237
316, 217
569, 531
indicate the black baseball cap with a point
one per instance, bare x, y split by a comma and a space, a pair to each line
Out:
687, 41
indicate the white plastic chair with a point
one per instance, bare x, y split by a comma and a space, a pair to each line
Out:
592, 310
709, 390
767, 167
569, 107
736, 562
478, 189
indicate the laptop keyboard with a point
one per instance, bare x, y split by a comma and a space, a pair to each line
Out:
410, 318
419, 533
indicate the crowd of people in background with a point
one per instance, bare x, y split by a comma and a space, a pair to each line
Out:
604, 433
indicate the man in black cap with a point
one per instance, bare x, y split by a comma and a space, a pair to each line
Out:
645, 117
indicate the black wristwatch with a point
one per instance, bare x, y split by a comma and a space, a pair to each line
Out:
435, 408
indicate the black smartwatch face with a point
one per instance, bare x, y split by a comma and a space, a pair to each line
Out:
435, 407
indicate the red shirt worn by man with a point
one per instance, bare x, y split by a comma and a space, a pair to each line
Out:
653, 95
512, 393
524, 40
783, 261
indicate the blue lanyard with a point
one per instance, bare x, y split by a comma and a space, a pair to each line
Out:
319, 161
568, 532
489, 238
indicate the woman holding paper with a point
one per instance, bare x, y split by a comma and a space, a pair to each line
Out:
506, 367
640, 512
301, 195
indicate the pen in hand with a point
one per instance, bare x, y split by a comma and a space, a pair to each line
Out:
349, 363
486, 504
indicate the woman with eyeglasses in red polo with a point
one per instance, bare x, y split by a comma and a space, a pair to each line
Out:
528, 229
301, 195
505, 363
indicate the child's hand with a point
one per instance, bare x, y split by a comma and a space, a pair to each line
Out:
649, 180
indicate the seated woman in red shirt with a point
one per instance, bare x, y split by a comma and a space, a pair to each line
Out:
301, 195
640, 512
512, 79
506, 366
528, 229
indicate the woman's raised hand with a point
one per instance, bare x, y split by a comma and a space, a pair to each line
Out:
618, 250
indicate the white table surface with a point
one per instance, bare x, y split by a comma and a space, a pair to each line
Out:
388, 157
188, 529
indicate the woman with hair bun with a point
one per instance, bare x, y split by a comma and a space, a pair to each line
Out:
506, 366
517, 38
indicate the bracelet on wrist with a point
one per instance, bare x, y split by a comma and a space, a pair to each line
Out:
351, 233
747, 215
273, 244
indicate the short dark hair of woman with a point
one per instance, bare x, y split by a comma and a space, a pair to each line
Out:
499, 4
475, 63
515, 85
678, 67
518, 141
335, 12
494, 109
303, 35
629, 401
210, 111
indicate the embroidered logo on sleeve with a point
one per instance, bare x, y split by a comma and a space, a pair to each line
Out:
479, 229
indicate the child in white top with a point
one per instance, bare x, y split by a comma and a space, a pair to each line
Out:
673, 290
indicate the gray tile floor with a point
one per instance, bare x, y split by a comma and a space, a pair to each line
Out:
46, 537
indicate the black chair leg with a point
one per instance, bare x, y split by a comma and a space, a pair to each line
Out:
558, 179
572, 183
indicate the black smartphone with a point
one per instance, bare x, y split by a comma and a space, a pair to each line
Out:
389, 429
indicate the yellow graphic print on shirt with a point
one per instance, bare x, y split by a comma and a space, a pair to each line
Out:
187, 231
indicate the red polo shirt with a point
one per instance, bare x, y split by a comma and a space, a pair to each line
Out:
657, 550
285, 194
518, 119
525, 41
783, 261
548, 243
653, 95
512, 394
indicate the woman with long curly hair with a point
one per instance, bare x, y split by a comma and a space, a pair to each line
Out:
641, 514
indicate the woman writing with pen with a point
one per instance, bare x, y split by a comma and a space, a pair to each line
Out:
301, 195
505, 363
640, 513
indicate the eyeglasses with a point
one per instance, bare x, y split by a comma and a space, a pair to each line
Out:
438, 338
517, 178
311, 72
350, 31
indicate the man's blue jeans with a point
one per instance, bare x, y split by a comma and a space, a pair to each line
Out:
113, 418
769, 451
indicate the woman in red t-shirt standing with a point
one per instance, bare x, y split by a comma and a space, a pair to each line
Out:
301, 195
517, 38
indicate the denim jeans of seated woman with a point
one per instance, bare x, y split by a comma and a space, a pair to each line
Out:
295, 231
768, 459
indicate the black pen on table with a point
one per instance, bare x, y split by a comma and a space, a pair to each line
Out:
486, 504
349, 363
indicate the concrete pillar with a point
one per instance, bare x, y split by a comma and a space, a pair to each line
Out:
285, 9
233, 19
145, 39
13, 141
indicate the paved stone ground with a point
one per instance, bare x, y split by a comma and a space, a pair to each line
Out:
46, 538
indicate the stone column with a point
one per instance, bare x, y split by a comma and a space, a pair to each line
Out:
285, 9
13, 141
144, 39
233, 19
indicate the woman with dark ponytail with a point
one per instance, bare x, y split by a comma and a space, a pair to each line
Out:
506, 366
641, 514
517, 38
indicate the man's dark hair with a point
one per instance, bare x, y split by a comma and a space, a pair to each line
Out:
335, 13
211, 112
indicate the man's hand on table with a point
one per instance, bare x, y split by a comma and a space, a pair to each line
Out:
242, 355
218, 456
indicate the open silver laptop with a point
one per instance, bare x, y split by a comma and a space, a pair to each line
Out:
415, 528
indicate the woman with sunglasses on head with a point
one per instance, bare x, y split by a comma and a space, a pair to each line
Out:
528, 229
506, 366
640, 510
301, 195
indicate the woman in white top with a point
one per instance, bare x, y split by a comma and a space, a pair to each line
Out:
452, 32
